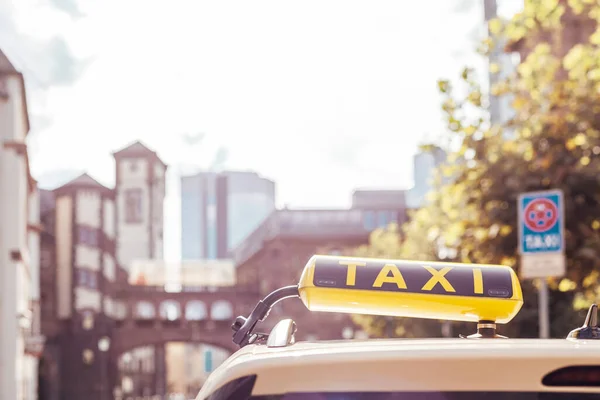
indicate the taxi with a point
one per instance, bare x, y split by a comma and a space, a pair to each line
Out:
484, 365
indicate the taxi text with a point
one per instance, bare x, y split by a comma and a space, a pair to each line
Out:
390, 273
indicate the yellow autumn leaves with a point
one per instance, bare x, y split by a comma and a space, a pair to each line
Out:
554, 135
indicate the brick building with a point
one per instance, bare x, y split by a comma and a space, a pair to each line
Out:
91, 235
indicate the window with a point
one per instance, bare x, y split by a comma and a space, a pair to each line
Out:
133, 205
82, 277
133, 166
92, 281
369, 220
382, 219
88, 236
87, 278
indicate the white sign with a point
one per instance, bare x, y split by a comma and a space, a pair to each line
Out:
543, 265
182, 273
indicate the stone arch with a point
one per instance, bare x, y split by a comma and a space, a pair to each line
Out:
170, 310
221, 310
195, 310
135, 370
144, 310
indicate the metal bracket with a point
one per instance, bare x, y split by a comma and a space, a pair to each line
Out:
243, 327
485, 330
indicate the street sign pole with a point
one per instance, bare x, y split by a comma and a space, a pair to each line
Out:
543, 309
541, 245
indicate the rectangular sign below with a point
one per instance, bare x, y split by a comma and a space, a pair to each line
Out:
543, 265
541, 222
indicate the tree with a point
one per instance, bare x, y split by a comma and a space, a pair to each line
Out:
553, 142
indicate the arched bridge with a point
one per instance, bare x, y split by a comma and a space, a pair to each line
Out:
147, 318
156, 316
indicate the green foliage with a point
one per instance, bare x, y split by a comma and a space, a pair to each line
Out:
554, 144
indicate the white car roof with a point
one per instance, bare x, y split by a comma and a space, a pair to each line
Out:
405, 365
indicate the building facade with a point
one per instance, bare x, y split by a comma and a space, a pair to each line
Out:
381, 207
109, 338
219, 209
20, 340
80, 274
91, 234
139, 195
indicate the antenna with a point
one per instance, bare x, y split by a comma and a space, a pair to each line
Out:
590, 329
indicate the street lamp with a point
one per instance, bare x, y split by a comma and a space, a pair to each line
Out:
88, 356
103, 346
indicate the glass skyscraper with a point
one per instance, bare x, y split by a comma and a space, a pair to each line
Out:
425, 164
219, 209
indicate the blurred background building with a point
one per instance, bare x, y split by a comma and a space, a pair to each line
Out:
103, 275
139, 201
425, 164
21, 343
219, 209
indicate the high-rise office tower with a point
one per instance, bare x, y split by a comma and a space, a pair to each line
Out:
219, 209
425, 164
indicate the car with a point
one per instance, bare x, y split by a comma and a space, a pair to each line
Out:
484, 365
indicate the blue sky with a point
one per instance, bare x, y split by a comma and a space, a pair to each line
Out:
320, 96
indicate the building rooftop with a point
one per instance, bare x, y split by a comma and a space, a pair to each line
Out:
314, 224
83, 181
137, 149
384, 198
7, 68
5, 65
241, 173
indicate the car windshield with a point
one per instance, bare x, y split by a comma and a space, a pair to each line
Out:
432, 396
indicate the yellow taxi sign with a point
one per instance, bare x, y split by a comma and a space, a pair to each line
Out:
434, 290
